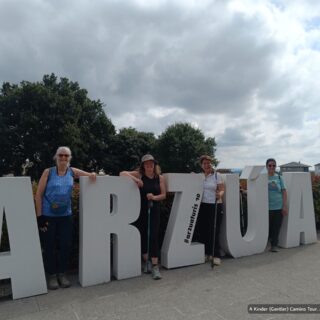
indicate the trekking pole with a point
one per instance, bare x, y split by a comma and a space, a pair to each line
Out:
242, 226
150, 205
214, 231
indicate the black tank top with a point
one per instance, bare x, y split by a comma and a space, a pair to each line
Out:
149, 186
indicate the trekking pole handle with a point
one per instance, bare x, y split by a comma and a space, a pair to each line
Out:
150, 204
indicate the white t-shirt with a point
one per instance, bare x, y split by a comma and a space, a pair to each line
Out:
210, 184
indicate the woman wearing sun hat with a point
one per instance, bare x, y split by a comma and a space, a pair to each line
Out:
152, 191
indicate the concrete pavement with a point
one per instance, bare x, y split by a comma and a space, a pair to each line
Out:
290, 276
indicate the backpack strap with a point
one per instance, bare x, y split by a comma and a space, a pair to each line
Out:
49, 176
72, 172
281, 181
216, 178
50, 173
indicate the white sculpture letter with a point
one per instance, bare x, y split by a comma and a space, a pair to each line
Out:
256, 237
98, 222
299, 226
23, 264
178, 249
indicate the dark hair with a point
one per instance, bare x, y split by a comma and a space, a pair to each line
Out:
270, 160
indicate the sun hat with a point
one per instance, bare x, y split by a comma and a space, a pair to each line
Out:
147, 157
205, 157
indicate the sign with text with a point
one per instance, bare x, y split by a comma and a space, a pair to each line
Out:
109, 206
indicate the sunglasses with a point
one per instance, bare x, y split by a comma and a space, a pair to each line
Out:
63, 155
271, 165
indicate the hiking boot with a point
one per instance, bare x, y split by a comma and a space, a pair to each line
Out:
216, 261
63, 280
52, 282
274, 249
147, 267
156, 275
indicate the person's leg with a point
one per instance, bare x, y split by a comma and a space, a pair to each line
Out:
271, 227
208, 228
200, 225
64, 234
48, 239
154, 242
275, 220
217, 234
143, 228
197, 231
277, 226
202, 228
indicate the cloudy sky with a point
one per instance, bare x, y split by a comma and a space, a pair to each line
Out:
243, 71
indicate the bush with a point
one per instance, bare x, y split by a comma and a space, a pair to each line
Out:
316, 197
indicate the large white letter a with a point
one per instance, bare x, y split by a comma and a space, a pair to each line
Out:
23, 264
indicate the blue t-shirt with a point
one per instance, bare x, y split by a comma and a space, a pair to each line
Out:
58, 193
275, 188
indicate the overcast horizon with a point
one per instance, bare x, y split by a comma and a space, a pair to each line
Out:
244, 72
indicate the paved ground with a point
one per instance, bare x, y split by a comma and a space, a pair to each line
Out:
291, 276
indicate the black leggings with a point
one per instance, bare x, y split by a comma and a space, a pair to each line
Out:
56, 243
142, 225
205, 225
275, 221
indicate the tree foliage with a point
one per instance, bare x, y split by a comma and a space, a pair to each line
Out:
128, 146
36, 118
180, 146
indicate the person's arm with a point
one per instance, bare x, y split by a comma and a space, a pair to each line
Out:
243, 191
220, 187
284, 201
220, 191
80, 173
284, 197
40, 190
162, 195
134, 175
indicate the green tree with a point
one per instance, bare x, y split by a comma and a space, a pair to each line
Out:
128, 146
36, 118
180, 146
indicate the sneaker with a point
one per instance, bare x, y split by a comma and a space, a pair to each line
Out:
216, 261
63, 280
274, 249
156, 275
52, 282
147, 267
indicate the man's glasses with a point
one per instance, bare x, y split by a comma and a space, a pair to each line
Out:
271, 165
63, 155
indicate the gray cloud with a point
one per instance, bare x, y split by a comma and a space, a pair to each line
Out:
234, 74
232, 137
